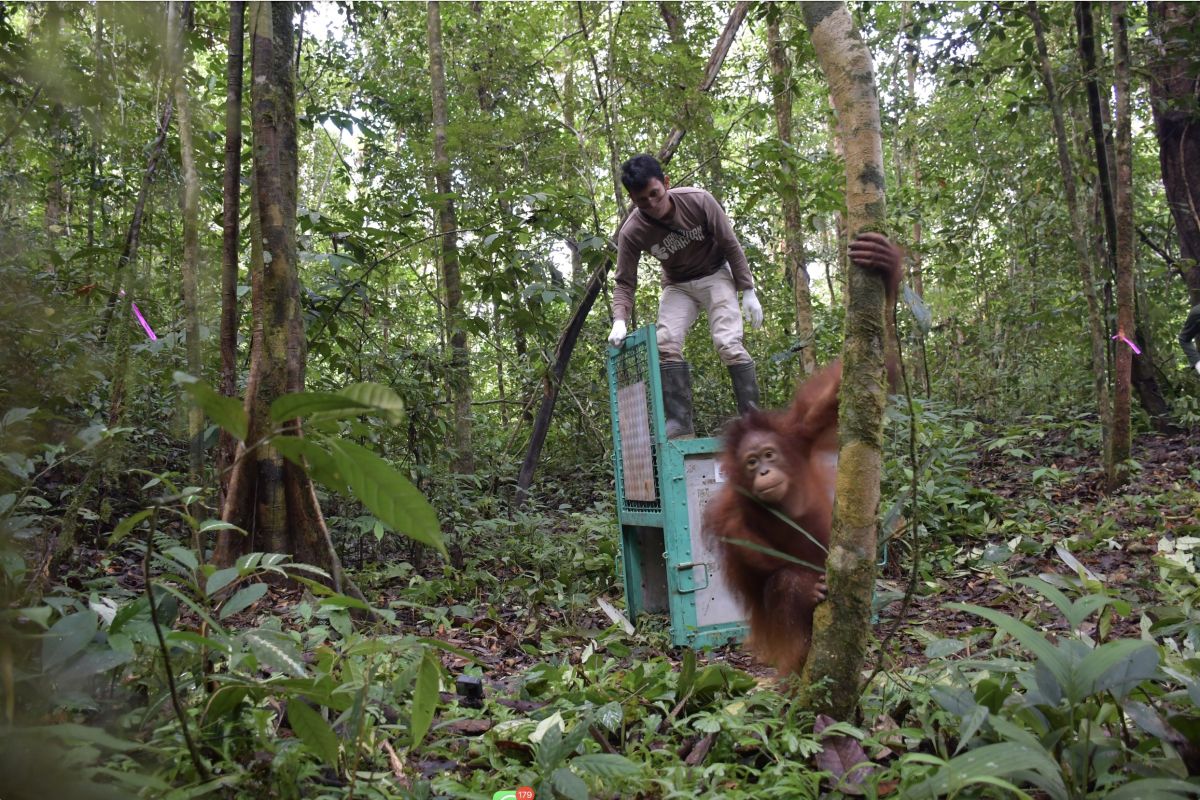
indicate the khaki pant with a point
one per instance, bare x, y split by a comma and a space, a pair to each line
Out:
679, 306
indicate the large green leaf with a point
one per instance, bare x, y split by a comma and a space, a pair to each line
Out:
67, 638
606, 765
1050, 656
312, 729
225, 411
220, 579
352, 401
275, 651
990, 762
568, 784
308, 455
302, 404
387, 493
1155, 789
381, 398
126, 526
1117, 667
243, 599
425, 696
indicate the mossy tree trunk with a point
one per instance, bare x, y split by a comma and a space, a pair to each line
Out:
189, 265
459, 378
1079, 236
842, 624
1123, 201
269, 497
231, 211
793, 231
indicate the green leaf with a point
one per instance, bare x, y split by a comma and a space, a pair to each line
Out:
182, 557
126, 526
387, 494
343, 601
243, 599
309, 456
1118, 667
381, 398
15, 415
92, 663
275, 651
606, 765
568, 784
223, 702
610, 716
67, 638
220, 579
74, 732
1039, 645
210, 525
990, 762
1154, 789
302, 404
425, 696
227, 412
312, 729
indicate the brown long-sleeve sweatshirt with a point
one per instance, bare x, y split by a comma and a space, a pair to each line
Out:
691, 243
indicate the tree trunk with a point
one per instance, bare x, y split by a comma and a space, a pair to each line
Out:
52, 219
793, 233
1087, 55
231, 211
459, 378
1078, 235
269, 497
1123, 191
1096, 114
841, 625
97, 128
912, 172
1175, 98
841, 239
133, 235
190, 264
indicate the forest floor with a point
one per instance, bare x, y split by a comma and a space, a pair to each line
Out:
1112, 536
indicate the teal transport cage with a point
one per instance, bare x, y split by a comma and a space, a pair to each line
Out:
662, 489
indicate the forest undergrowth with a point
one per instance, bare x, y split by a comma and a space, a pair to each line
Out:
1048, 651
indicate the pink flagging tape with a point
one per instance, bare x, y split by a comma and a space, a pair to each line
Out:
1125, 339
137, 312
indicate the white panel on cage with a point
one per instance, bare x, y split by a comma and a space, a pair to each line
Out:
637, 459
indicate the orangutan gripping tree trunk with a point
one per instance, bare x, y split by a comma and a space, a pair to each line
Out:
269, 497
839, 649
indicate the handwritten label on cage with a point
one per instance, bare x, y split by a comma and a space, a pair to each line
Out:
637, 459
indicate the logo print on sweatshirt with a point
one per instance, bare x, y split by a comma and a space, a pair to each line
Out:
676, 241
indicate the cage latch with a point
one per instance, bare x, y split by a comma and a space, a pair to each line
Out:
690, 577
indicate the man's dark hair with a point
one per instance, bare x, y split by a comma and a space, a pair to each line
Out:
639, 171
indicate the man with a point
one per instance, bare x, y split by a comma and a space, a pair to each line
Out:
703, 267
1189, 335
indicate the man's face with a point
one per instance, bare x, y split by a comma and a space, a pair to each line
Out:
653, 199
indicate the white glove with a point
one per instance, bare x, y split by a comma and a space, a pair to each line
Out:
617, 335
752, 308
1198, 366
